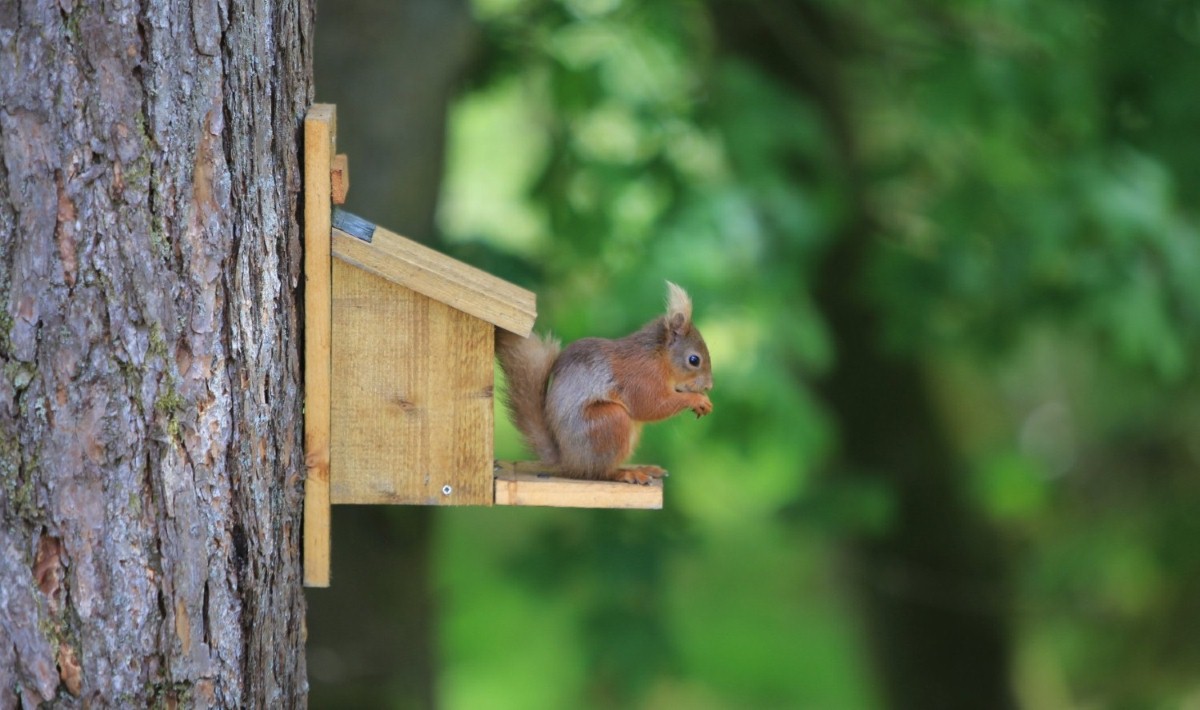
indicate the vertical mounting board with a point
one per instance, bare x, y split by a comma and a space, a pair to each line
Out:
320, 134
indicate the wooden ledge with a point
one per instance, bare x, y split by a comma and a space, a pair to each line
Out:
530, 483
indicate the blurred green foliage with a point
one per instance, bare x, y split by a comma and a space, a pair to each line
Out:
1028, 173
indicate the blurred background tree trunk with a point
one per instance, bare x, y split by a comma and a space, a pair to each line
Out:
932, 587
150, 446
392, 68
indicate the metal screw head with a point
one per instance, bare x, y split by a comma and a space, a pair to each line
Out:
447, 490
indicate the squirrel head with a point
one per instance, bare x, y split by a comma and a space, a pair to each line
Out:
686, 349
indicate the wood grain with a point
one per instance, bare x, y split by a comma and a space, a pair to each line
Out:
440, 277
339, 178
320, 127
530, 483
412, 405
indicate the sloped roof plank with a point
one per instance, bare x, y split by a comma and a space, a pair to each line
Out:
440, 277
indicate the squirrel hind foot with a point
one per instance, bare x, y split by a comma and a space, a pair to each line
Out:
639, 475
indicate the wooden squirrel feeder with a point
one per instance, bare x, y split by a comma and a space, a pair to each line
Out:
398, 370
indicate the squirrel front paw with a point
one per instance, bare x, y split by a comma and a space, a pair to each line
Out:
702, 406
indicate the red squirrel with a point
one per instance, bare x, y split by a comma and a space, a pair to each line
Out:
581, 409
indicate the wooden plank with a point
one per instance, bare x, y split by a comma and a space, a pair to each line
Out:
426, 271
339, 178
413, 402
530, 483
320, 128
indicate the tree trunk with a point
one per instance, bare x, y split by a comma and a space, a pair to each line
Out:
150, 422
933, 587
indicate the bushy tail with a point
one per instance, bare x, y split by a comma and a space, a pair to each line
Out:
526, 363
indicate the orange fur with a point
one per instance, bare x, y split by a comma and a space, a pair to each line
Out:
581, 409
611, 435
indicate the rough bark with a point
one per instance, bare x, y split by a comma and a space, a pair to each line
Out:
150, 465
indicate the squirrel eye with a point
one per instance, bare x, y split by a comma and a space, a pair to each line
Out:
694, 360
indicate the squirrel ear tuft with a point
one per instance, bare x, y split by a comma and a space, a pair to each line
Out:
679, 309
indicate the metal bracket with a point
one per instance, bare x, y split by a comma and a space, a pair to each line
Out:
353, 225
